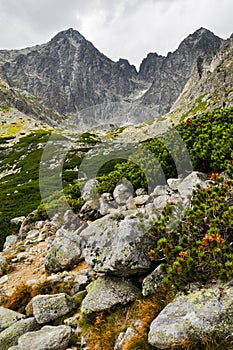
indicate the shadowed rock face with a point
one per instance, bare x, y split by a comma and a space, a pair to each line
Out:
68, 74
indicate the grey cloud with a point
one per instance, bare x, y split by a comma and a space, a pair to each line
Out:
119, 28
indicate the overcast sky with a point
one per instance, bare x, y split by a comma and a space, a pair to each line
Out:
118, 28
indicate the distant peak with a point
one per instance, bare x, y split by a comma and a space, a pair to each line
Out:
69, 33
202, 32
202, 38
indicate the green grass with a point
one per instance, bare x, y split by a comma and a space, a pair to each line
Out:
19, 193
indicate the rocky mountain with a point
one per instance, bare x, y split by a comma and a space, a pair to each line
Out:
176, 68
68, 75
210, 83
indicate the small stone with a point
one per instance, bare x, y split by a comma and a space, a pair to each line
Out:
18, 220
10, 241
3, 279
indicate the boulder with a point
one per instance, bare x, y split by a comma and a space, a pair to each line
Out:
117, 245
8, 317
48, 337
153, 282
9, 337
106, 292
89, 188
188, 184
174, 183
64, 252
122, 193
50, 307
107, 204
90, 210
10, 241
202, 313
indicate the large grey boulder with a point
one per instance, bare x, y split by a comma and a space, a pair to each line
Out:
50, 307
113, 244
202, 313
8, 317
49, 337
9, 337
64, 252
106, 292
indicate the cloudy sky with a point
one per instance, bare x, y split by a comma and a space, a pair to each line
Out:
119, 28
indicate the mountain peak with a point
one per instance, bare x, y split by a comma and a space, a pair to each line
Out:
69, 33
202, 38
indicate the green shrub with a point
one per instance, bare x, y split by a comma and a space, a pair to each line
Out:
200, 248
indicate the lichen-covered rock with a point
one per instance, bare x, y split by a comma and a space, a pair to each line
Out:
206, 312
49, 307
64, 252
8, 317
152, 283
9, 337
113, 244
106, 292
48, 337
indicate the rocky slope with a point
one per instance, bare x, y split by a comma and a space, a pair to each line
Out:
58, 297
